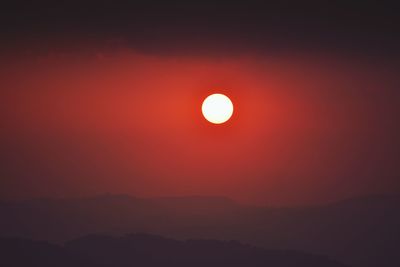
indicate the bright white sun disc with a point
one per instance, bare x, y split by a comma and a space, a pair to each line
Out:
217, 108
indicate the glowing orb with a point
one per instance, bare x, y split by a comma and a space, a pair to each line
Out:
217, 108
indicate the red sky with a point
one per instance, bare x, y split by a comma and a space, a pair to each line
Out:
306, 128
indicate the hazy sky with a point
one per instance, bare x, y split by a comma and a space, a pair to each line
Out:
98, 99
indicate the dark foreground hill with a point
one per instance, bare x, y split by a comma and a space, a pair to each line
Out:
149, 251
361, 232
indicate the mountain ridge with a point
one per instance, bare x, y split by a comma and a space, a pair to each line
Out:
361, 231
150, 251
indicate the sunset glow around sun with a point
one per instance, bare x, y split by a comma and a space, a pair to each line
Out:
217, 108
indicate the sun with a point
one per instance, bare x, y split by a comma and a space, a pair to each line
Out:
217, 108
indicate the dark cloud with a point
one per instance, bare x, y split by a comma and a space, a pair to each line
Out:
171, 26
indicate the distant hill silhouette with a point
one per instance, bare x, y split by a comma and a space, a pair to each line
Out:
149, 251
360, 232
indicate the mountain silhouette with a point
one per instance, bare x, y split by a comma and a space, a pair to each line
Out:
360, 232
149, 251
